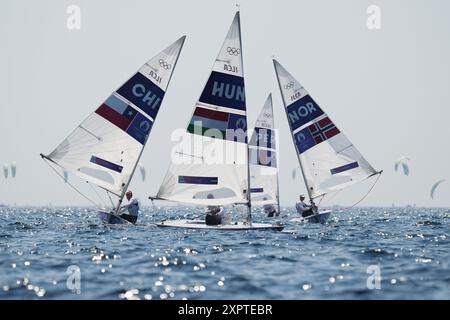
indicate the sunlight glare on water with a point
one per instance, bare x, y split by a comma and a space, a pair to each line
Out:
312, 261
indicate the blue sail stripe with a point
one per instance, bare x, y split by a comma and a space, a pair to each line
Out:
263, 137
345, 167
106, 164
303, 111
224, 90
140, 128
143, 93
198, 180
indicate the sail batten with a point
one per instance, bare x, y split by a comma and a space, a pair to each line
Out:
329, 161
210, 165
105, 148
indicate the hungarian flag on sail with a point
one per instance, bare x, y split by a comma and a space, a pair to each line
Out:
315, 133
218, 124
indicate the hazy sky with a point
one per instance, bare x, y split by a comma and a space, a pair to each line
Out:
387, 90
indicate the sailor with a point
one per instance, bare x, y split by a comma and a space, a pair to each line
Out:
130, 211
270, 210
214, 214
304, 209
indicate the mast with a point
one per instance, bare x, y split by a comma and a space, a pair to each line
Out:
292, 135
119, 203
278, 150
249, 197
278, 194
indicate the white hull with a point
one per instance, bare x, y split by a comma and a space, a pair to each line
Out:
321, 217
235, 226
109, 218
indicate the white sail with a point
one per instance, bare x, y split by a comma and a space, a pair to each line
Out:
212, 156
263, 158
105, 148
328, 159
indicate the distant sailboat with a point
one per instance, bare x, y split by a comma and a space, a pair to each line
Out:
211, 165
13, 167
403, 162
105, 148
263, 160
142, 170
65, 175
328, 160
6, 170
434, 187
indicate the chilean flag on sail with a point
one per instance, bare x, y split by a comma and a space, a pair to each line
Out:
126, 118
315, 133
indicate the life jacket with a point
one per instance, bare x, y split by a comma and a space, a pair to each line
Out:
212, 219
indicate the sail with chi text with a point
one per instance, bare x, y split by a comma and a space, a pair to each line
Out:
105, 148
329, 161
210, 164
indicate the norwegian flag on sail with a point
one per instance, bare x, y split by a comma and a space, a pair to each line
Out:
315, 133
323, 130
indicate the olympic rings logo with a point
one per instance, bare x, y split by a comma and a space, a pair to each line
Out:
233, 51
164, 64
288, 86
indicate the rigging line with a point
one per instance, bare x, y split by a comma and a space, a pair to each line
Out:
328, 199
222, 60
343, 149
320, 201
98, 195
109, 196
189, 155
71, 185
371, 188
81, 145
96, 137
82, 155
151, 67
111, 143
105, 128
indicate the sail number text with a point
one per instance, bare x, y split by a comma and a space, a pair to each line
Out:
230, 68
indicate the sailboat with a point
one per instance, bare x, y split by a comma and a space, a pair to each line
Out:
210, 166
105, 148
263, 161
329, 162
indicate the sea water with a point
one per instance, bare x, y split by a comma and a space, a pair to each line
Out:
360, 253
